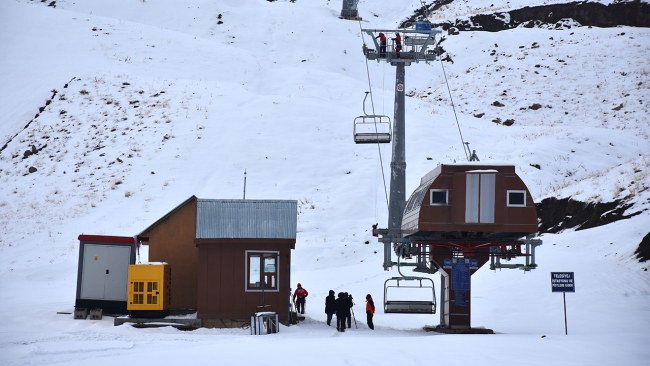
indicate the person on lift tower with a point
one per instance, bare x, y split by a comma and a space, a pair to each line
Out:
398, 43
382, 45
299, 298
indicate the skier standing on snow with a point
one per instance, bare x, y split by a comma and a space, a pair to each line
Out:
348, 315
370, 310
330, 307
341, 305
299, 298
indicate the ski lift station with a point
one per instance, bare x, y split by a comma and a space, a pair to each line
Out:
227, 257
461, 216
221, 259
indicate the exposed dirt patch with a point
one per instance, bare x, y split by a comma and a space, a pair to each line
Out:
633, 13
643, 251
556, 215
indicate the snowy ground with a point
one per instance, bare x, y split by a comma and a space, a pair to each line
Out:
157, 101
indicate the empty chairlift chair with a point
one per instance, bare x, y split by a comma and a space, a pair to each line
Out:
371, 129
424, 292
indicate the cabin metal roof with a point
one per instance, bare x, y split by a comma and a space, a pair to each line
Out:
246, 219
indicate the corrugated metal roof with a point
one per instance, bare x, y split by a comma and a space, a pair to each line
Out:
246, 219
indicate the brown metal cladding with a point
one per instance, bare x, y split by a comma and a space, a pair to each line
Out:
171, 240
209, 275
222, 278
451, 217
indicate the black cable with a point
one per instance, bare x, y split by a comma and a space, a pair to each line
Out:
372, 103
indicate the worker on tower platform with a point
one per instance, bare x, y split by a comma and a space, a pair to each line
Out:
398, 43
382, 44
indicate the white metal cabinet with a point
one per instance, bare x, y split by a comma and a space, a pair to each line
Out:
105, 271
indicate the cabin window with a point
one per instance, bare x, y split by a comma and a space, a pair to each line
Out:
262, 271
516, 198
438, 197
479, 198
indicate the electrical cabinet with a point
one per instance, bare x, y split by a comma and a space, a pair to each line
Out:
149, 289
102, 272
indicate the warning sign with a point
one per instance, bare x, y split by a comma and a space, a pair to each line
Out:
562, 282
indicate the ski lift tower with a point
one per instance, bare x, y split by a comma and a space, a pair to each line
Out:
349, 10
484, 218
418, 45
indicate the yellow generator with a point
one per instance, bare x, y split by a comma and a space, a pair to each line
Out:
149, 290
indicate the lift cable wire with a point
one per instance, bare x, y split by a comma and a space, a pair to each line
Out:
454, 107
425, 13
372, 103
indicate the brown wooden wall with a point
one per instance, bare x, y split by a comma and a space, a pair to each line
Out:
222, 278
172, 241
451, 218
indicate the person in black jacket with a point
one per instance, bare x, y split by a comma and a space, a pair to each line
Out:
341, 306
330, 307
348, 315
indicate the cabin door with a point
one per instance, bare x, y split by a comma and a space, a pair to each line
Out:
479, 198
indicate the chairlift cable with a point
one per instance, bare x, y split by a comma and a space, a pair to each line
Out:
454, 108
425, 12
372, 103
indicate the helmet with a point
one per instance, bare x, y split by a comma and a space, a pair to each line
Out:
299, 285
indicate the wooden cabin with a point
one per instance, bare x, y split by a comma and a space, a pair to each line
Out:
229, 258
479, 201
171, 240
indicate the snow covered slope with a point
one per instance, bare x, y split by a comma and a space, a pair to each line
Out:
147, 103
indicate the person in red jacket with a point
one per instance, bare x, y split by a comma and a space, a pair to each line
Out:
299, 298
370, 310
398, 43
382, 44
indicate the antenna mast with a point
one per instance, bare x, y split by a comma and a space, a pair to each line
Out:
244, 183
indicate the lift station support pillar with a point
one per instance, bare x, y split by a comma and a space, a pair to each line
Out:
397, 198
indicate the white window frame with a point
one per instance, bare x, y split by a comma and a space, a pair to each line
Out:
247, 255
515, 204
431, 203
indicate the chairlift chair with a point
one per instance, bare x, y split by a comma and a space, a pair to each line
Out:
371, 128
410, 306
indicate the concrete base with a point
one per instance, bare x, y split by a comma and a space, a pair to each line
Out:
459, 331
80, 313
351, 18
96, 314
148, 322
225, 323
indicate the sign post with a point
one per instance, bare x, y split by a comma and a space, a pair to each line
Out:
563, 282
